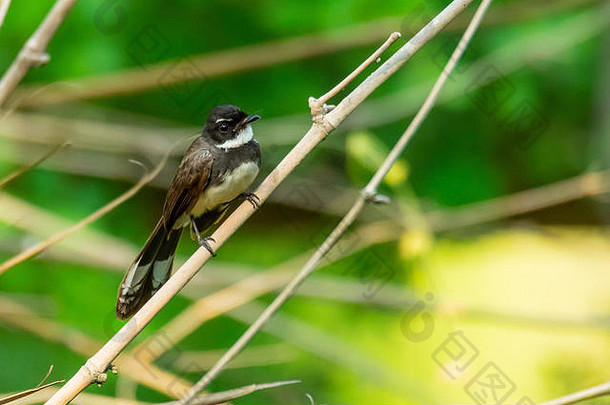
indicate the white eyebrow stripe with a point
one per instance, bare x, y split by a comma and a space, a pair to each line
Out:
223, 119
243, 137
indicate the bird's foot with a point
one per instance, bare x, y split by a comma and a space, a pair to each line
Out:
204, 243
252, 199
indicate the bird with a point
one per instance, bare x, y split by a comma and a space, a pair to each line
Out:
216, 170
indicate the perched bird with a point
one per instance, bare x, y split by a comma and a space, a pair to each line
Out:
217, 169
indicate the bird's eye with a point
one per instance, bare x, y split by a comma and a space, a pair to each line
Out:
224, 127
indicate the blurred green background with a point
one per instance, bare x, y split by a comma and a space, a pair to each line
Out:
523, 276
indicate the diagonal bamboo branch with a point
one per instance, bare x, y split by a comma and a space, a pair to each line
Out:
97, 364
33, 52
369, 194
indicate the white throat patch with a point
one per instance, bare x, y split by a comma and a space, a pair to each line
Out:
243, 137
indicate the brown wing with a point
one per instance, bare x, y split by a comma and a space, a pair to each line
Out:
192, 177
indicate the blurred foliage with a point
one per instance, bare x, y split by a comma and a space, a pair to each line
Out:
529, 293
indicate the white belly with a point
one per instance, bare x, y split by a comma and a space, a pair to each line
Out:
232, 185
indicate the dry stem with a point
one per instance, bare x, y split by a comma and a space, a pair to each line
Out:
317, 104
33, 52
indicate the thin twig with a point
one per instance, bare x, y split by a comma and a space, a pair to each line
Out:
229, 395
4, 5
328, 345
33, 52
249, 288
84, 399
585, 185
150, 375
90, 248
29, 166
25, 393
369, 194
529, 48
316, 105
45, 376
318, 132
590, 393
39, 247
370, 191
261, 355
105, 134
31, 391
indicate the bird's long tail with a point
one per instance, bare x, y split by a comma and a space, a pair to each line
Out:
149, 271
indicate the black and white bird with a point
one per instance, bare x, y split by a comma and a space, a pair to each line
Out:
217, 168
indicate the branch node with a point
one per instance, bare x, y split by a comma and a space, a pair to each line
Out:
327, 108
113, 369
97, 377
39, 58
34, 56
372, 197
319, 110
33, 52
324, 124
100, 379
316, 107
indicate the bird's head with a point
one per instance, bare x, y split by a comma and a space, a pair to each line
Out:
229, 127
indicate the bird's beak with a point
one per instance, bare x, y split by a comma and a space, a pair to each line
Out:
251, 118
247, 121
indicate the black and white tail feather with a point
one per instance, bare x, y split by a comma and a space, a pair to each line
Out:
149, 271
